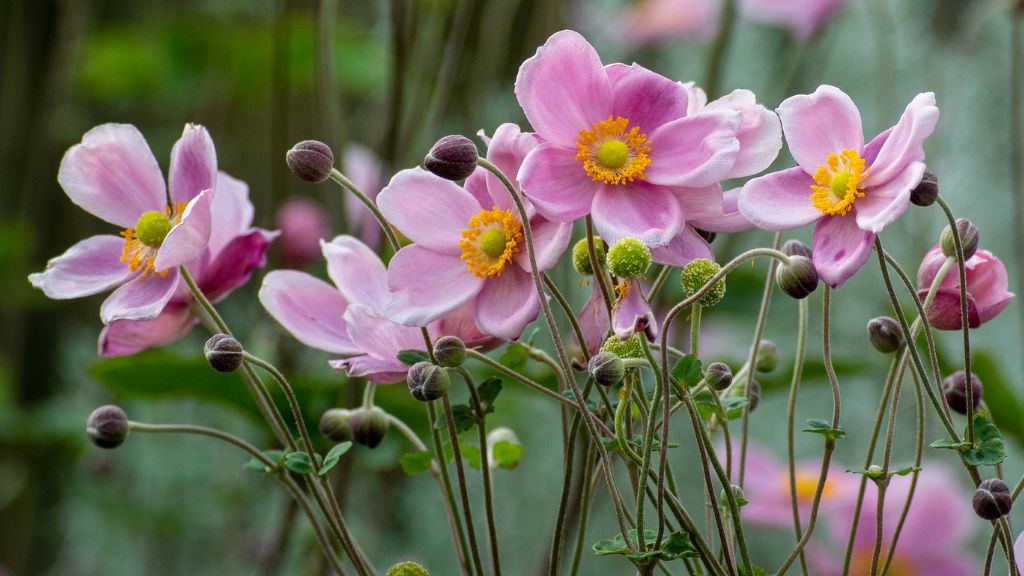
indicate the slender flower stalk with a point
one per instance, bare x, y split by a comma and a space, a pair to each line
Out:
794, 387
347, 184
453, 437
966, 329
485, 469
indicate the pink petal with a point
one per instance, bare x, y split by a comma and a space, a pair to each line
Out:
703, 202
428, 209
193, 164
905, 143
112, 174
694, 151
840, 249
187, 241
231, 212
550, 239
945, 312
645, 98
379, 337
89, 267
760, 133
506, 150
373, 369
357, 272
476, 185
730, 220
234, 265
649, 213
506, 304
683, 249
593, 320
696, 98
779, 200
929, 269
883, 205
563, 88
142, 298
820, 124
309, 308
630, 308
462, 323
427, 285
555, 182
127, 337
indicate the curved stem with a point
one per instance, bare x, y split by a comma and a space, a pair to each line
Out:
567, 309
347, 184
485, 470
598, 267
964, 324
467, 511
794, 387
446, 480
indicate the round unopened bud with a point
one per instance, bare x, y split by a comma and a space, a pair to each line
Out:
450, 351
707, 235
223, 353
799, 278
628, 348
427, 382
968, 238
606, 368
874, 471
992, 499
107, 426
737, 493
885, 334
628, 258
767, 359
927, 190
696, 274
796, 248
581, 255
369, 426
407, 569
755, 394
718, 376
310, 160
334, 425
954, 388
452, 157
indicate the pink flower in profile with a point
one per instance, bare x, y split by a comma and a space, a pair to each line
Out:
347, 319
802, 17
364, 169
655, 21
468, 245
618, 143
303, 222
234, 251
113, 175
987, 289
851, 190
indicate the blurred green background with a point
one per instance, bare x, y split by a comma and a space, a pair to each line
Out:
395, 76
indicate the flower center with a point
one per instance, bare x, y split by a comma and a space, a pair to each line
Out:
490, 240
838, 183
142, 242
612, 152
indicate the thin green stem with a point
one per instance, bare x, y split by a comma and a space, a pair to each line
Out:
964, 323
567, 309
719, 48
467, 511
347, 184
449, 492
588, 491
695, 312
659, 281
598, 267
794, 388
485, 470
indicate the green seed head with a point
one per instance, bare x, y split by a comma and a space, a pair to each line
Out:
581, 255
629, 258
696, 274
492, 242
628, 348
152, 227
613, 154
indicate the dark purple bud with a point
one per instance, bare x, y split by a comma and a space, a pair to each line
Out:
954, 388
885, 334
799, 278
310, 160
452, 158
369, 426
968, 239
607, 368
796, 248
718, 376
223, 352
107, 426
427, 382
992, 499
927, 191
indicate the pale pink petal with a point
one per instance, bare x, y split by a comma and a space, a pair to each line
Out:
142, 298
694, 151
357, 272
945, 312
506, 150
427, 285
555, 182
645, 98
428, 209
375, 370
703, 202
476, 185
112, 174
593, 319
563, 88
905, 143
820, 124
840, 249
187, 241
683, 249
309, 308
696, 98
381, 338
89, 267
760, 133
550, 239
506, 304
634, 306
650, 213
730, 220
231, 212
883, 205
462, 323
779, 201
234, 264
193, 164
127, 337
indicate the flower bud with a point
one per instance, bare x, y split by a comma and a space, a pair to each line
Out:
581, 255
696, 274
968, 239
369, 426
874, 471
628, 348
927, 191
452, 158
407, 569
606, 368
335, 425
223, 352
628, 258
737, 493
707, 235
755, 395
107, 426
796, 248
310, 160
798, 278
885, 334
954, 388
767, 359
992, 499
427, 382
718, 376
450, 351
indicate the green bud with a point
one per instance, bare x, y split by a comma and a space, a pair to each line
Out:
968, 239
628, 258
718, 376
696, 274
407, 569
369, 426
606, 368
427, 382
767, 357
798, 278
581, 255
450, 351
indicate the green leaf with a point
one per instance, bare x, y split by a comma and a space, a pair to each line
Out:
410, 357
255, 465
733, 406
687, 370
489, 390
464, 418
989, 448
298, 462
946, 443
905, 471
673, 546
334, 455
471, 454
514, 356
507, 455
414, 463
824, 427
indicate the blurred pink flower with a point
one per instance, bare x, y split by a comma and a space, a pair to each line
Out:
654, 21
987, 289
802, 17
303, 222
364, 169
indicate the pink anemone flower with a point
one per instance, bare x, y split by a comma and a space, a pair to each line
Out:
802, 17
113, 175
987, 289
346, 318
234, 251
851, 190
619, 144
468, 245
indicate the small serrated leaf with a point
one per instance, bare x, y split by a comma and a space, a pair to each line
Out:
687, 370
464, 418
298, 462
334, 455
489, 390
